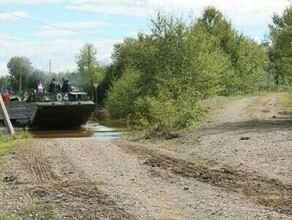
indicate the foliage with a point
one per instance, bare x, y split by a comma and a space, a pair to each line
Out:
125, 91
88, 67
16, 136
105, 85
39, 75
159, 78
29, 75
247, 58
279, 47
5, 83
248, 73
19, 68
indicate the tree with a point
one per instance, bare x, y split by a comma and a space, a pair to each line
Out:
19, 68
220, 28
279, 47
248, 59
175, 66
123, 94
38, 75
161, 77
88, 67
5, 83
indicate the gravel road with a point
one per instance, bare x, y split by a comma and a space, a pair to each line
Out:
237, 164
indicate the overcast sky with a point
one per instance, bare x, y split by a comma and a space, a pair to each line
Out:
44, 30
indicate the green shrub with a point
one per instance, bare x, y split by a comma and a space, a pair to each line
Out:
121, 97
176, 66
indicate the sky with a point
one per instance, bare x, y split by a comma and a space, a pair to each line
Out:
50, 33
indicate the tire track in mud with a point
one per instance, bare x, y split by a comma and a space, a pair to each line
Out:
265, 191
54, 190
41, 170
80, 200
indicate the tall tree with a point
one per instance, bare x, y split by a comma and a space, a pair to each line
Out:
248, 58
279, 46
162, 76
219, 27
38, 75
170, 70
20, 68
5, 83
88, 67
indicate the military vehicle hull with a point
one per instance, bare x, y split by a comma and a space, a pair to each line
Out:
49, 110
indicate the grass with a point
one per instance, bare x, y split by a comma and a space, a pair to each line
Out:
38, 212
215, 104
285, 99
9, 142
34, 211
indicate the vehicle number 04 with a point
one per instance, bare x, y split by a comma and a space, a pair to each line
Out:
60, 97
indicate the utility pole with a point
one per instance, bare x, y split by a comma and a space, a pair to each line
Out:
20, 80
95, 86
4, 112
50, 66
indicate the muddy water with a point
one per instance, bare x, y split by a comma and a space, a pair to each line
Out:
91, 129
103, 132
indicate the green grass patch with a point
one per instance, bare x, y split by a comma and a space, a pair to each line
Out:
285, 99
34, 211
9, 142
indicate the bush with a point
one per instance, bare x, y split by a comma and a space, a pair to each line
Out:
121, 97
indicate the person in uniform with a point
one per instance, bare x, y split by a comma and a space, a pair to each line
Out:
54, 86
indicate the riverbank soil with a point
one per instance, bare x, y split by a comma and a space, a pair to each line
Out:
236, 164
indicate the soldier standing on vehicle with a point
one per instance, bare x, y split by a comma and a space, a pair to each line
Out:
54, 86
66, 87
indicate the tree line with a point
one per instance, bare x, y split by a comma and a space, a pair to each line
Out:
157, 79
23, 76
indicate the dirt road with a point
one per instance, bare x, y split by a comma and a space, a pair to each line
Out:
235, 165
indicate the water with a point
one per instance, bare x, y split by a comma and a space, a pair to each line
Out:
92, 129
102, 132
